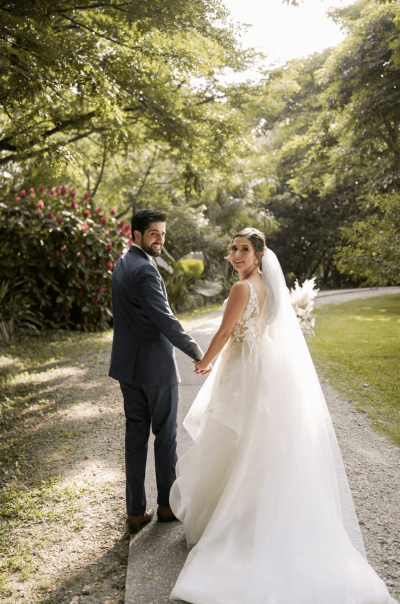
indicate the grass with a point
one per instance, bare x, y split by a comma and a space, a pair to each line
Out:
357, 348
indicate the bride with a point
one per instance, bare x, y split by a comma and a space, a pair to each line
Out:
262, 491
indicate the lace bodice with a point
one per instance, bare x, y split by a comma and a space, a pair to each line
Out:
248, 328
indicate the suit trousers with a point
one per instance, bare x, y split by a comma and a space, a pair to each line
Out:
145, 407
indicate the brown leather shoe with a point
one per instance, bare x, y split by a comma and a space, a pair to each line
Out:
165, 514
134, 523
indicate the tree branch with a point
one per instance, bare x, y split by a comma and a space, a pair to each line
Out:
101, 172
135, 197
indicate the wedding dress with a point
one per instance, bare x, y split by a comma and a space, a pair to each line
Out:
262, 491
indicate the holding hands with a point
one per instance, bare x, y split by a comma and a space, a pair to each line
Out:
202, 368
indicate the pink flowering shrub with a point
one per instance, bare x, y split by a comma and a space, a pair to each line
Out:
62, 255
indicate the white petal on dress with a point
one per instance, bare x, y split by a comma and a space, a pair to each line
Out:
262, 491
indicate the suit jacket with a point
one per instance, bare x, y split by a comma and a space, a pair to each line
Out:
145, 329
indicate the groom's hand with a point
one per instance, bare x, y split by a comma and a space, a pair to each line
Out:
201, 368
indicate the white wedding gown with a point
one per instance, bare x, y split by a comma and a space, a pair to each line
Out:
262, 491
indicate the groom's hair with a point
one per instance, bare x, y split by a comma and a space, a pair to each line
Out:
141, 220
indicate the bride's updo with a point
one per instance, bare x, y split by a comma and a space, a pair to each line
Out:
256, 238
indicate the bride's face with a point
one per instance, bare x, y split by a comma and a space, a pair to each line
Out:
242, 255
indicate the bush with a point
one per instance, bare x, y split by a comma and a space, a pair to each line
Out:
62, 253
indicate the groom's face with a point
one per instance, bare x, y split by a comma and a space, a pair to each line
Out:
152, 239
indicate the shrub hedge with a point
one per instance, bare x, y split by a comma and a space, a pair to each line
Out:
60, 253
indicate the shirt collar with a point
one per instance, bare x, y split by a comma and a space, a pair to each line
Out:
148, 255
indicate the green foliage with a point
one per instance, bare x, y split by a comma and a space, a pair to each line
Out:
357, 347
192, 267
180, 297
62, 255
122, 74
372, 253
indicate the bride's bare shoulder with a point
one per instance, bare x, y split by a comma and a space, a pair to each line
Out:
240, 291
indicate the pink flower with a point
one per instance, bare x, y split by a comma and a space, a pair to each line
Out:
31, 191
17, 199
101, 281
24, 194
109, 246
10, 203
130, 242
112, 212
121, 224
85, 226
101, 260
72, 193
109, 265
40, 212
41, 204
89, 263
106, 233
98, 210
54, 219
61, 221
73, 205
63, 248
94, 301
62, 190
41, 189
56, 255
52, 192
86, 197
51, 215
85, 320
100, 289
86, 213
103, 220
66, 318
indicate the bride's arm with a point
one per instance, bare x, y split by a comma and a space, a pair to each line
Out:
237, 301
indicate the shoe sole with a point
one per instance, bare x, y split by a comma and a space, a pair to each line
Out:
166, 519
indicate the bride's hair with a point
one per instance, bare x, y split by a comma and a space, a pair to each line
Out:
256, 238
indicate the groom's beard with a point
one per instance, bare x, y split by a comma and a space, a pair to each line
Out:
150, 250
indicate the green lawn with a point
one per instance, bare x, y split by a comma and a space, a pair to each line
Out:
357, 347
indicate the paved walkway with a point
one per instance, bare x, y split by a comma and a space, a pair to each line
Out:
158, 552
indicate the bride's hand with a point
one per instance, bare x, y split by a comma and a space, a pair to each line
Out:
201, 368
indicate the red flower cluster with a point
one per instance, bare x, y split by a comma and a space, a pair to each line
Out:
112, 212
72, 193
41, 189
51, 215
101, 260
103, 220
100, 289
31, 191
62, 190
73, 205
89, 263
24, 194
53, 192
94, 301
109, 265
85, 226
17, 199
86, 213
63, 248
97, 210
86, 197
41, 204
56, 255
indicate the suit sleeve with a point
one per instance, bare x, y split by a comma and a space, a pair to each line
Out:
151, 298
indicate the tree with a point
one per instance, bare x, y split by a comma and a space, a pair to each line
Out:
125, 73
372, 253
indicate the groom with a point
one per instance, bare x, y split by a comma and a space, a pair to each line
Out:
143, 360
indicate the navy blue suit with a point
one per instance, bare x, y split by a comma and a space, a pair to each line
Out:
143, 360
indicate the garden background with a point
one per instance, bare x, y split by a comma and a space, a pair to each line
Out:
110, 107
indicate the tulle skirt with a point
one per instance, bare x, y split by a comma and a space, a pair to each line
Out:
263, 493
